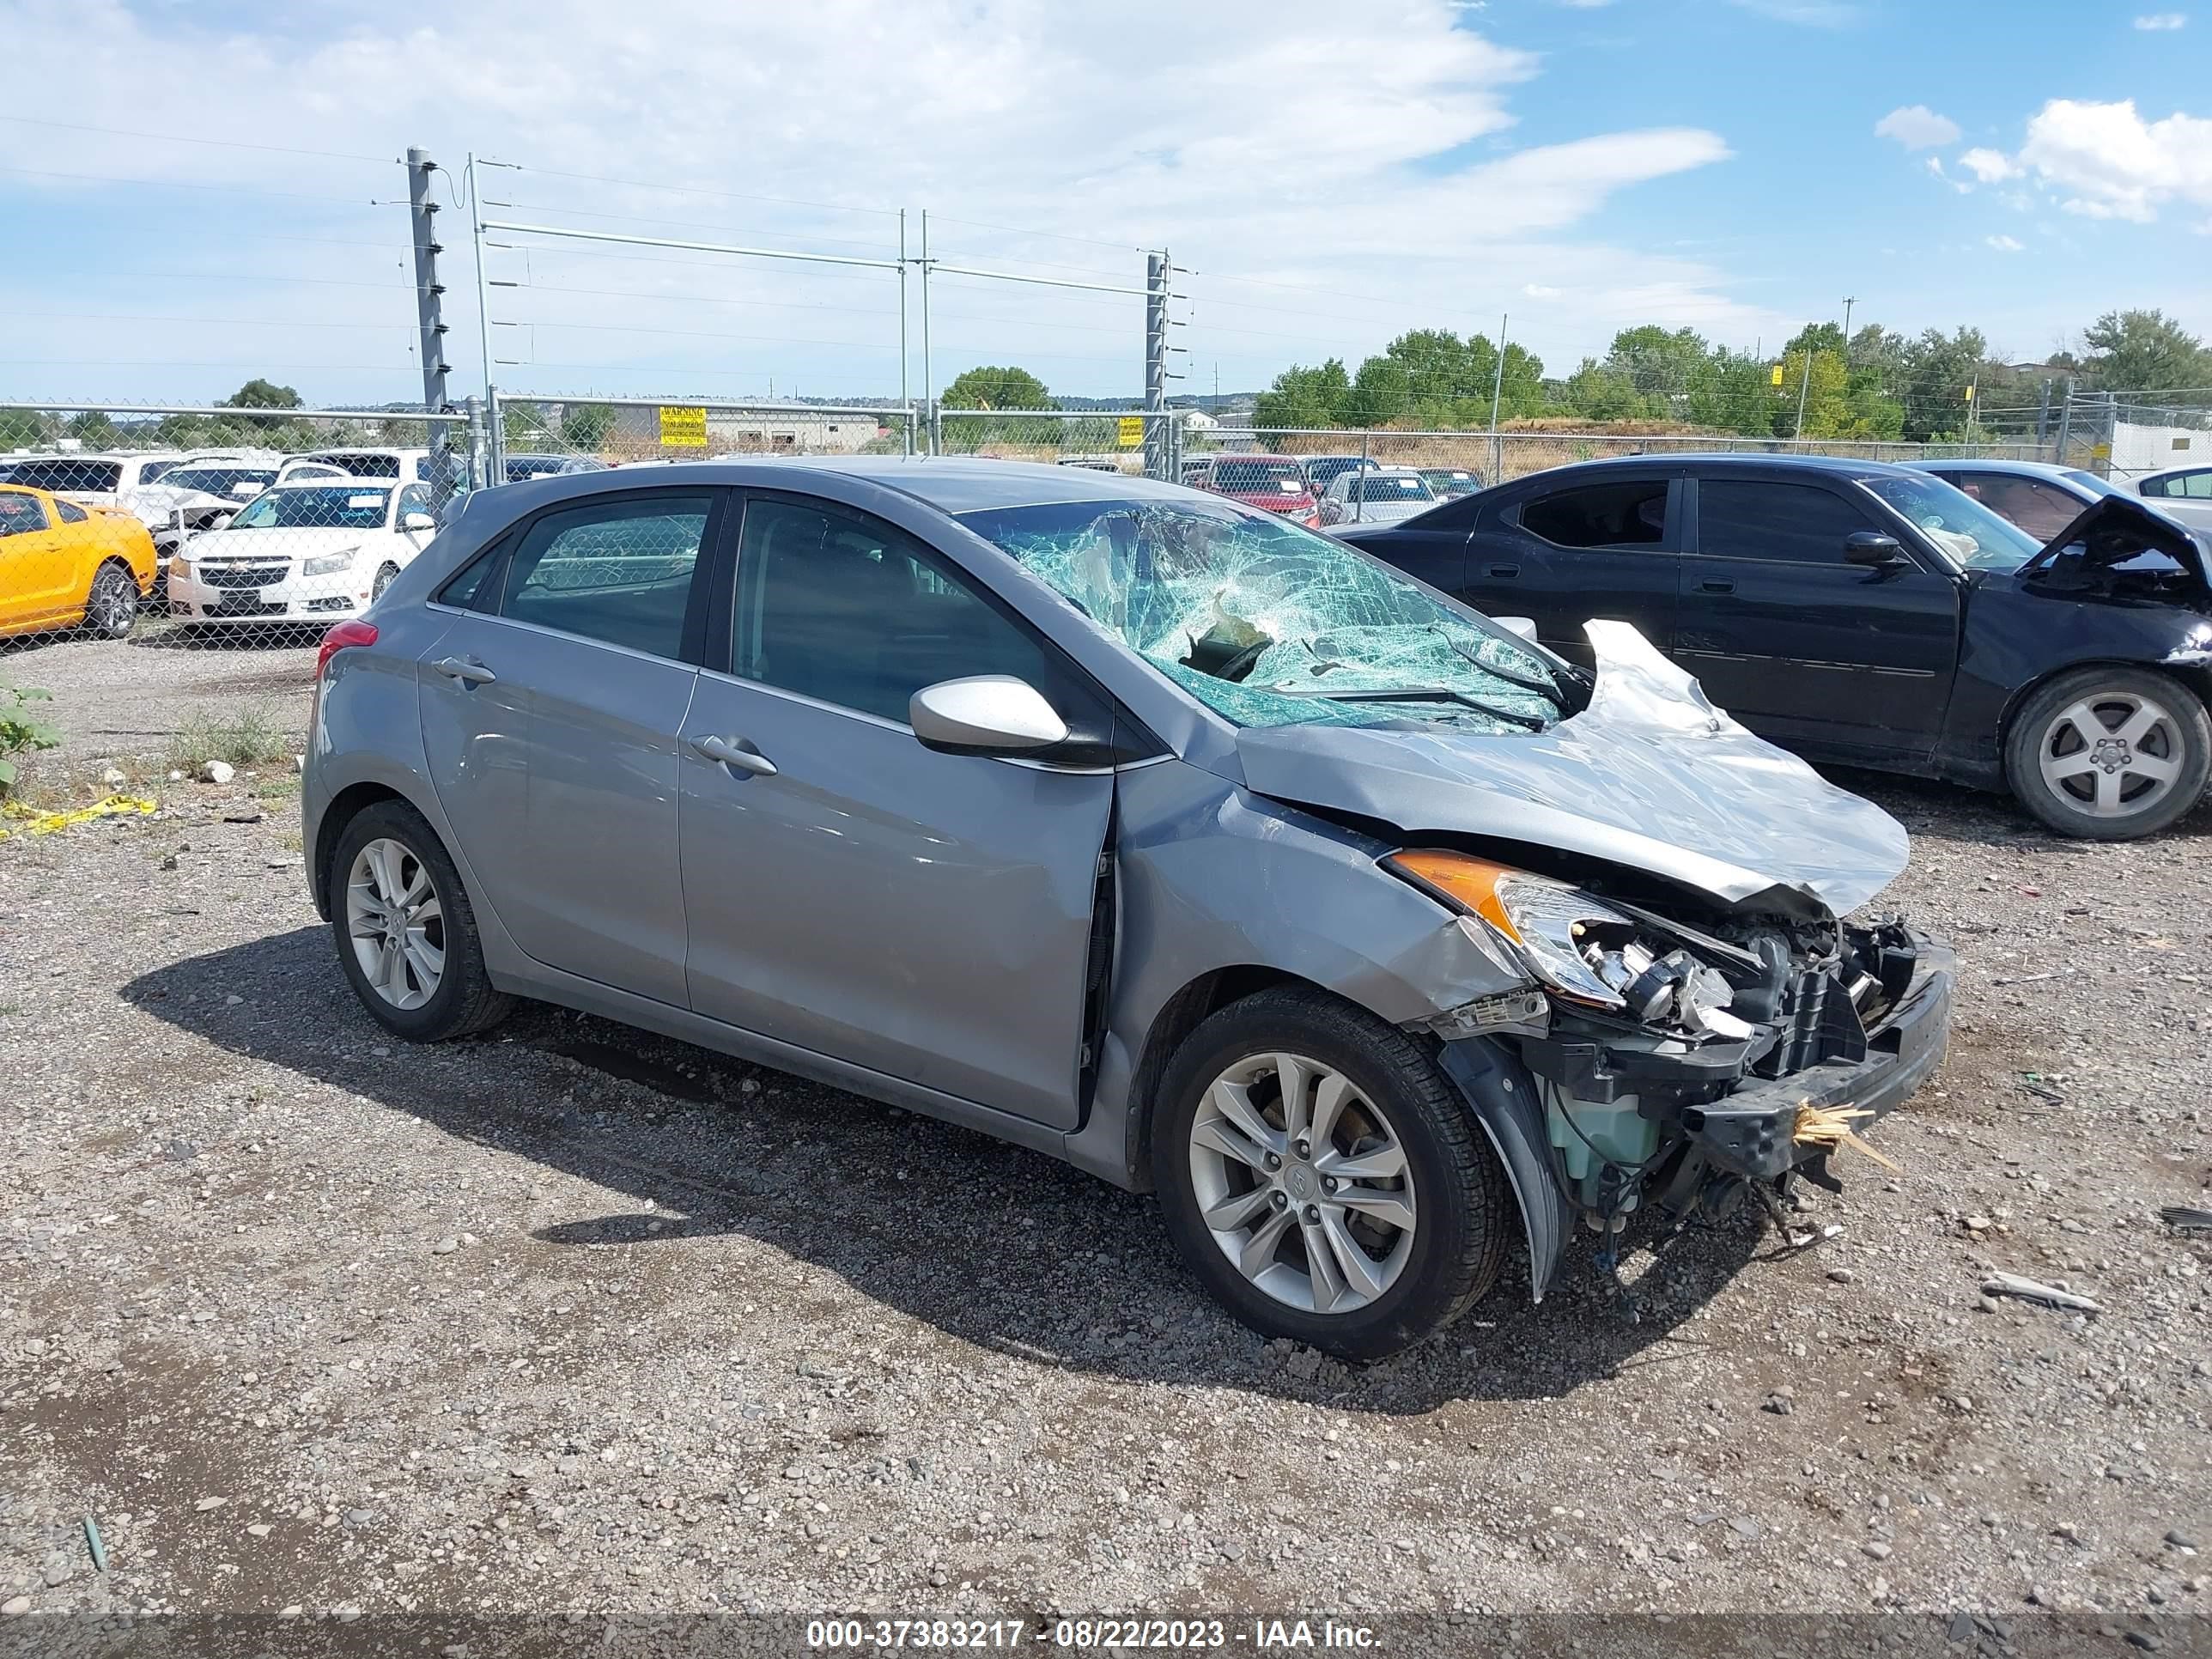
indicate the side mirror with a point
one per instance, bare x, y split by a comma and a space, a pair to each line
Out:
417, 520
984, 714
1872, 549
245, 490
1524, 626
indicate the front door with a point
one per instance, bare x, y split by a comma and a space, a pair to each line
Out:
1601, 547
1800, 645
38, 568
920, 915
551, 712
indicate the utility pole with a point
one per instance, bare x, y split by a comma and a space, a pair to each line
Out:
906, 402
1849, 302
1155, 364
494, 437
2065, 421
929, 401
430, 316
1498, 379
1804, 384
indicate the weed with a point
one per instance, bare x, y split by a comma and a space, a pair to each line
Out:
249, 737
20, 734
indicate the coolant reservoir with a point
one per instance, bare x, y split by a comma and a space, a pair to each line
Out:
1614, 1131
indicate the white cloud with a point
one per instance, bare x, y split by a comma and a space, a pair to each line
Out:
1989, 165
1542, 290
2113, 164
1814, 14
2005, 243
2163, 19
1916, 127
1389, 184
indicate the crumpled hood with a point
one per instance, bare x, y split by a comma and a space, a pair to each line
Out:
2117, 528
1650, 776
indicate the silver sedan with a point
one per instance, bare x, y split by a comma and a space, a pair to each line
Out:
1129, 824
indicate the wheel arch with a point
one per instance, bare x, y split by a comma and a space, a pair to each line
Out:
344, 807
2195, 678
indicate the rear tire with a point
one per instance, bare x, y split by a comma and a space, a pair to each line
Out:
405, 932
383, 579
111, 608
2110, 753
1379, 1175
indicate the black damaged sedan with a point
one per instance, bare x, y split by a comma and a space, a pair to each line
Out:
1870, 616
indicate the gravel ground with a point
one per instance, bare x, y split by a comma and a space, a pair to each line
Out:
126, 699
573, 1317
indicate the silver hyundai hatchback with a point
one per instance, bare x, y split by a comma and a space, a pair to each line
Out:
1134, 826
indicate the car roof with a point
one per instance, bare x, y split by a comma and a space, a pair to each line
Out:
1725, 460
1982, 464
951, 485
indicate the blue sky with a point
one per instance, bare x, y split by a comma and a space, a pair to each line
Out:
1734, 165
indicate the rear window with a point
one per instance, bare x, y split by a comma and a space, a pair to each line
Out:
1383, 488
91, 477
1256, 476
363, 467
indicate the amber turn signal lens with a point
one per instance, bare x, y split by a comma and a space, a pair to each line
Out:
1469, 883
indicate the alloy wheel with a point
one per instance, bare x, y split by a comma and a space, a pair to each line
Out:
114, 604
397, 923
2111, 755
1303, 1183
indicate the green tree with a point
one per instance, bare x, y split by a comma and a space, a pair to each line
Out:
584, 427
1604, 391
94, 430
990, 387
1668, 372
1937, 370
258, 393
1303, 397
2143, 351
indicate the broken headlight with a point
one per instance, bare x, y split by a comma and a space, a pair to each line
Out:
1554, 929
1579, 947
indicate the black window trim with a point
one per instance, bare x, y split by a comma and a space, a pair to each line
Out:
498, 553
1130, 740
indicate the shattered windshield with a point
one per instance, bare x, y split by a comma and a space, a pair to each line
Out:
1268, 624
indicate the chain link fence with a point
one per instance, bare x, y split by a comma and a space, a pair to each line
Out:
1134, 441
536, 437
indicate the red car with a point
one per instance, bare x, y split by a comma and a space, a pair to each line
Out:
1272, 481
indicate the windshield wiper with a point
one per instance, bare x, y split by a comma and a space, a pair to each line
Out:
1550, 691
1432, 694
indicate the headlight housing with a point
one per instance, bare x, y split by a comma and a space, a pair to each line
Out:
1546, 924
180, 566
330, 564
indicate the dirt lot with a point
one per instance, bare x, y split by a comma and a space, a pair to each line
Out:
126, 700
571, 1317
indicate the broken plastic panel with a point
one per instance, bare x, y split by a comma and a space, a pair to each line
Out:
1270, 625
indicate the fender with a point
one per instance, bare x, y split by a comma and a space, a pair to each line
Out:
1502, 1095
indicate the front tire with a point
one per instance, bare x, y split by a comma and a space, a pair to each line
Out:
1322, 1177
405, 932
383, 579
110, 609
2110, 753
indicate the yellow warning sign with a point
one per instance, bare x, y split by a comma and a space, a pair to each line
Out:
1775, 378
1130, 432
682, 428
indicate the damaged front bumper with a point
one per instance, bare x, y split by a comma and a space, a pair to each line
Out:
1594, 1122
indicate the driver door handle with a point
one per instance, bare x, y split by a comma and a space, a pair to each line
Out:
1503, 570
1717, 584
736, 753
466, 669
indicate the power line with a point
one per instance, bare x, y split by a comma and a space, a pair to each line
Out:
683, 190
175, 183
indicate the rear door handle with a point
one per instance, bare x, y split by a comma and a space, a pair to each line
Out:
737, 754
1504, 570
467, 669
1717, 584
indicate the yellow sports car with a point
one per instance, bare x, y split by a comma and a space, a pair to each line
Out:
64, 565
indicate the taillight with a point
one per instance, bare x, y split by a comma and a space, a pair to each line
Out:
339, 638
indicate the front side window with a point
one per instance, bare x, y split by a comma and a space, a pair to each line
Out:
1801, 524
20, 514
1630, 514
316, 507
2041, 509
618, 571
1270, 625
414, 498
1964, 529
849, 610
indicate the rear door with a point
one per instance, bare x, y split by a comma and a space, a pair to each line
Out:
852, 893
1796, 643
551, 708
1581, 548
